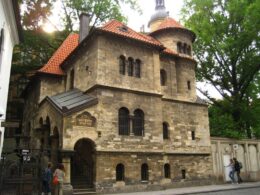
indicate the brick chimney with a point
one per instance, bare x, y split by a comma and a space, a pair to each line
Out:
84, 28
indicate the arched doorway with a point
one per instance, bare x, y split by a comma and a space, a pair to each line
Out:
83, 164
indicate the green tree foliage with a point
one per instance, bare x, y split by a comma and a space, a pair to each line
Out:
227, 50
100, 11
35, 12
37, 47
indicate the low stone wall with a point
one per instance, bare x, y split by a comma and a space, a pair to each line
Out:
246, 151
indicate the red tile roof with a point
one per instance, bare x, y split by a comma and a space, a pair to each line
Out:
121, 29
53, 65
169, 23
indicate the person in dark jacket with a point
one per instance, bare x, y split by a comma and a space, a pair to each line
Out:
46, 180
237, 170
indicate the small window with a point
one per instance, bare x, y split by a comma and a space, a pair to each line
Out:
163, 77
122, 64
179, 47
183, 173
138, 68
189, 50
185, 48
144, 172
72, 79
123, 121
167, 171
165, 131
120, 172
130, 66
188, 85
138, 123
193, 135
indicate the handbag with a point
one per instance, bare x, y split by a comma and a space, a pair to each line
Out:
55, 180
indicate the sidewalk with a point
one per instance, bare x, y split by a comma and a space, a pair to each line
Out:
197, 189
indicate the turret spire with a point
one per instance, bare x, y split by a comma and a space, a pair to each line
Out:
159, 4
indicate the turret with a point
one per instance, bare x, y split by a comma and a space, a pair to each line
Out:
159, 15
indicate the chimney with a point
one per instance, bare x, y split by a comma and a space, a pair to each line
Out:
84, 28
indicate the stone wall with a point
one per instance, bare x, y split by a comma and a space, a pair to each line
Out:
170, 38
246, 151
198, 171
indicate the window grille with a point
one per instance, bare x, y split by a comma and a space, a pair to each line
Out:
123, 117
138, 68
122, 64
120, 172
130, 66
138, 123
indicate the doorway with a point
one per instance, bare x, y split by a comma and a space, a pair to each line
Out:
83, 164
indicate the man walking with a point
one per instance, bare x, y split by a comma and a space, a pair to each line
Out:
46, 180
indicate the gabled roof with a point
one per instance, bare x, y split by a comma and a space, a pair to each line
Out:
118, 28
53, 65
71, 101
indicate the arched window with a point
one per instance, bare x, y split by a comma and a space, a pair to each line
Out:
123, 121
189, 50
72, 79
179, 47
122, 64
183, 173
120, 172
188, 85
185, 48
193, 135
144, 172
130, 67
165, 130
138, 122
167, 171
138, 68
163, 77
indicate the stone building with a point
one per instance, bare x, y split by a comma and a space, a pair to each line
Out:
119, 108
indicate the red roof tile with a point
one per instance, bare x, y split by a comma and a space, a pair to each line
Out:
169, 23
53, 65
119, 28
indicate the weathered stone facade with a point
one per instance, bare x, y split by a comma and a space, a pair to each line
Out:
88, 137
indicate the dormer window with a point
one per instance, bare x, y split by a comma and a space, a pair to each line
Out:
123, 28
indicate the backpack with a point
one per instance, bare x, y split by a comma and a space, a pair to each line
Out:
45, 174
240, 165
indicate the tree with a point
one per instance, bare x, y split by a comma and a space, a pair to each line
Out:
227, 50
100, 11
35, 13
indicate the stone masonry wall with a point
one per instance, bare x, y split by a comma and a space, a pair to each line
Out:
197, 168
110, 49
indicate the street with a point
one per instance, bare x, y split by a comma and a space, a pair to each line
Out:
249, 191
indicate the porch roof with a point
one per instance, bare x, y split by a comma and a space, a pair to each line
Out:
71, 101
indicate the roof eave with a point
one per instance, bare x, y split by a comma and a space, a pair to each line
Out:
160, 47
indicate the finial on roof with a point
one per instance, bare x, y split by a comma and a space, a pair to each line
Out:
159, 4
